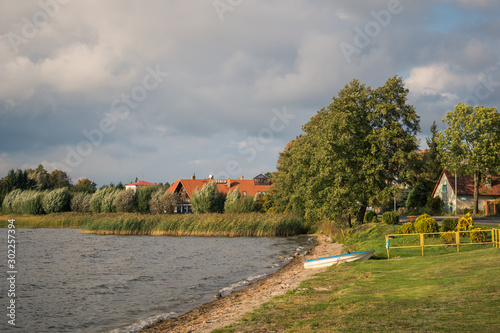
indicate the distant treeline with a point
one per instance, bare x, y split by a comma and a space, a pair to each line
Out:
147, 199
27, 191
230, 225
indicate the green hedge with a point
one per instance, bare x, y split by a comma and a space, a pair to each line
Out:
390, 218
449, 224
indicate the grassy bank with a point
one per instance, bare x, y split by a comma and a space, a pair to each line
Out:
446, 293
233, 225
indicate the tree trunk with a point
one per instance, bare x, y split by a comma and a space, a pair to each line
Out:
348, 220
361, 215
476, 192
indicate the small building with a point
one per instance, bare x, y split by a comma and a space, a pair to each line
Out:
186, 187
445, 190
136, 185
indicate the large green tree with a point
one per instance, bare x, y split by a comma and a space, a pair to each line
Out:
471, 143
352, 153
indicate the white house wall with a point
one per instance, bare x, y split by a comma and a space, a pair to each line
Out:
449, 198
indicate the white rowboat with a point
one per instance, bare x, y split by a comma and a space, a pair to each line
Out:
339, 259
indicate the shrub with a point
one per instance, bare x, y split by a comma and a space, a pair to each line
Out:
369, 216
407, 228
108, 201
57, 201
207, 199
425, 224
231, 197
9, 202
80, 202
103, 200
23, 202
241, 205
477, 235
390, 218
465, 223
163, 202
433, 206
32, 202
448, 237
143, 197
449, 224
125, 201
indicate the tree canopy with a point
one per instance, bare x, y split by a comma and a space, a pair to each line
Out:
352, 153
471, 143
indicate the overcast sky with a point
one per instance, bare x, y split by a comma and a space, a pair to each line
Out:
162, 90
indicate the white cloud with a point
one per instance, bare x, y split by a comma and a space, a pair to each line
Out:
438, 77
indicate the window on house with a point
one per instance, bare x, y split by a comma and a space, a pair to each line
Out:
244, 193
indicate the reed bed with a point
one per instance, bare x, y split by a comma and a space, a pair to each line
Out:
226, 225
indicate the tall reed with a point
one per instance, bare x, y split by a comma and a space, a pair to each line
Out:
232, 225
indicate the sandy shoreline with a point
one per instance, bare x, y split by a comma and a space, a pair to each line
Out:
232, 307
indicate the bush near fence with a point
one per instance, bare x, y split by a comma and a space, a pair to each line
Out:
390, 218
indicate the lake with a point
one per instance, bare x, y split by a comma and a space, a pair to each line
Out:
72, 282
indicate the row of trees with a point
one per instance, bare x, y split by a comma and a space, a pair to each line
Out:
208, 199
362, 150
41, 180
147, 199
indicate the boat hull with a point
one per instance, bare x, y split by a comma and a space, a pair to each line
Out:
329, 261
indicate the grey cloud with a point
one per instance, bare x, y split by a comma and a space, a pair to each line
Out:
225, 78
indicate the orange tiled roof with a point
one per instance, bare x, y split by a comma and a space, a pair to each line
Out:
223, 185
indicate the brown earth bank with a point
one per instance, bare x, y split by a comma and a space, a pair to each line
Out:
231, 308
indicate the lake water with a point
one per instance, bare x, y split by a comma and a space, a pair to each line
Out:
72, 282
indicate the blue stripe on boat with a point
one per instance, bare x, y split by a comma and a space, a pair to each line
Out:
338, 256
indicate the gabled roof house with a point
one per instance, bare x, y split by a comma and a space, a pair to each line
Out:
134, 186
445, 189
186, 187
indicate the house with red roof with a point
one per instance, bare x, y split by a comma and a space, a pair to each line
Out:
186, 187
136, 185
464, 198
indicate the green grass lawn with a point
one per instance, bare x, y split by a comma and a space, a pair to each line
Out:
451, 292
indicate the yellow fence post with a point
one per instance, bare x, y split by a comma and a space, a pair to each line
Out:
422, 243
458, 241
387, 245
495, 237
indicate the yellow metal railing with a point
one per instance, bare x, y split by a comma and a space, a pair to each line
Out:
422, 237
495, 237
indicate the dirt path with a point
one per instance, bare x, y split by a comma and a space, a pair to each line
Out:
231, 308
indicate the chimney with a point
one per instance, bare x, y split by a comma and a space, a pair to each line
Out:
228, 183
242, 177
193, 176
